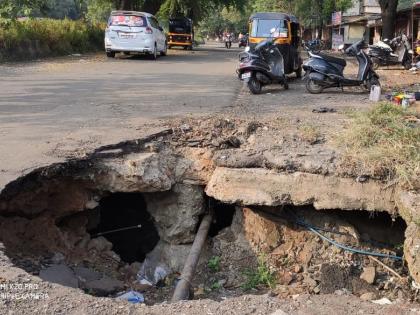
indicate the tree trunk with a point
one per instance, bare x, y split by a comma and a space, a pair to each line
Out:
125, 5
321, 26
389, 16
152, 6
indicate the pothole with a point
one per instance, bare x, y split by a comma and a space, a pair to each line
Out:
124, 224
223, 216
123, 219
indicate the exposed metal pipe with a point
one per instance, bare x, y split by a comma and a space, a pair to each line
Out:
118, 230
182, 290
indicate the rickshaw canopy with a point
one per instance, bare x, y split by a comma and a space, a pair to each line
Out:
286, 33
274, 16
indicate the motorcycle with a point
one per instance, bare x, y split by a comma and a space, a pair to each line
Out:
323, 71
243, 42
315, 45
391, 52
262, 66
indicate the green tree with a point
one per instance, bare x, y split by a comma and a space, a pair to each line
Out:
220, 19
11, 9
197, 9
318, 12
99, 10
272, 6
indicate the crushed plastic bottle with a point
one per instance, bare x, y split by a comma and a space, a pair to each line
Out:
132, 297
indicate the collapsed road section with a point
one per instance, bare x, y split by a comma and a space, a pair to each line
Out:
124, 219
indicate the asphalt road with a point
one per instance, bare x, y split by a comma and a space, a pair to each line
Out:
54, 106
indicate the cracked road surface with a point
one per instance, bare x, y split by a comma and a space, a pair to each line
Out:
51, 107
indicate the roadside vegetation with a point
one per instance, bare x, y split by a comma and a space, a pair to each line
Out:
45, 37
262, 276
384, 142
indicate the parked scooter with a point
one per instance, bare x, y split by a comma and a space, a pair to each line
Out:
262, 65
391, 52
323, 71
314, 45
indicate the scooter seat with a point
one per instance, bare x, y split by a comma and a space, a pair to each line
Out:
332, 59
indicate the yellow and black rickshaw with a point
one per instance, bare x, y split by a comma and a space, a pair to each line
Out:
288, 36
181, 33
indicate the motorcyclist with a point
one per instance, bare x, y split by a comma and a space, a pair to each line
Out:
228, 39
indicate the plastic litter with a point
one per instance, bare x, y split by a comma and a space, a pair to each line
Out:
132, 297
415, 285
160, 274
152, 274
375, 93
383, 301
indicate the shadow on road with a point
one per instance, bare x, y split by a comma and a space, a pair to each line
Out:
200, 54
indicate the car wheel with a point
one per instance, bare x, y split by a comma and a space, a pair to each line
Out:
313, 87
254, 86
164, 52
110, 54
153, 56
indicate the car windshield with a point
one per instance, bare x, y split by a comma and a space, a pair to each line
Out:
127, 20
262, 28
180, 26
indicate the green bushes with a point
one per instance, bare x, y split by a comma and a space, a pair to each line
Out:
47, 37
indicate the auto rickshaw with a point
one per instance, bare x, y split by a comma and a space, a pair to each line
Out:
181, 33
288, 37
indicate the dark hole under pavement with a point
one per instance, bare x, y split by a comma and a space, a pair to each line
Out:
121, 210
223, 216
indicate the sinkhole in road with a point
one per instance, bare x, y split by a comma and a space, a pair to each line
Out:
223, 216
123, 219
83, 214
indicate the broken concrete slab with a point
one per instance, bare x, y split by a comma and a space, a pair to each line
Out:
86, 274
187, 202
270, 188
146, 172
60, 274
104, 286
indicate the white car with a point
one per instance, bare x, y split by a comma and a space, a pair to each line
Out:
134, 32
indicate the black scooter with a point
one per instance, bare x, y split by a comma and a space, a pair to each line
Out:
323, 71
261, 66
391, 52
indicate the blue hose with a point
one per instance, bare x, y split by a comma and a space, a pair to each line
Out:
344, 247
358, 251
